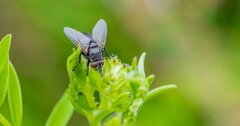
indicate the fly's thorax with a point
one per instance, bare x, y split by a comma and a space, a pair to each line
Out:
94, 52
93, 44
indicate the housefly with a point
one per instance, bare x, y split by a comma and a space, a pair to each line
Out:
92, 45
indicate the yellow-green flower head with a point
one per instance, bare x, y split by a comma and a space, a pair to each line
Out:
117, 92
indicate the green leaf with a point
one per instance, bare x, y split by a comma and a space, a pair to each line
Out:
4, 121
4, 50
61, 113
79, 72
3, 83
122, 103
141, 65
14, 96
134, 62
158, 90
150, 79
4, 57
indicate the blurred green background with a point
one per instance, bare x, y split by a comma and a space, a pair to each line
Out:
192, 43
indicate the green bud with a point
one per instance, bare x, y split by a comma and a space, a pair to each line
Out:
112, 97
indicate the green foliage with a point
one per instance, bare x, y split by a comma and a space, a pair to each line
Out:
14, 97
61, 112
4, 56
113, 97
9, 84
4, 121
158, 90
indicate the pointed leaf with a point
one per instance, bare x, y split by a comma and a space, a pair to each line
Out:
150, 79
158, 90
4, 56
3, 83
4, 50
134, 62
141, 64
61, 113
14, 97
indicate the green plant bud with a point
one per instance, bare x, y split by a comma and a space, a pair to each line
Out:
112, 97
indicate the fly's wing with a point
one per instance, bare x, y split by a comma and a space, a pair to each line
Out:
99, 33
78, 38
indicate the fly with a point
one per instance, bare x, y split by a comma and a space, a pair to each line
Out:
92, 46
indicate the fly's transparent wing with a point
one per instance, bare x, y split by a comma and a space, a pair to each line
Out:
99, 33
77, 38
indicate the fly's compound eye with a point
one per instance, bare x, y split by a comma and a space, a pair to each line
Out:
94, 65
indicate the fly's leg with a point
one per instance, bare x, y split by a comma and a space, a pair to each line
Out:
106, 52
88, 62
79, 61
99, 69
